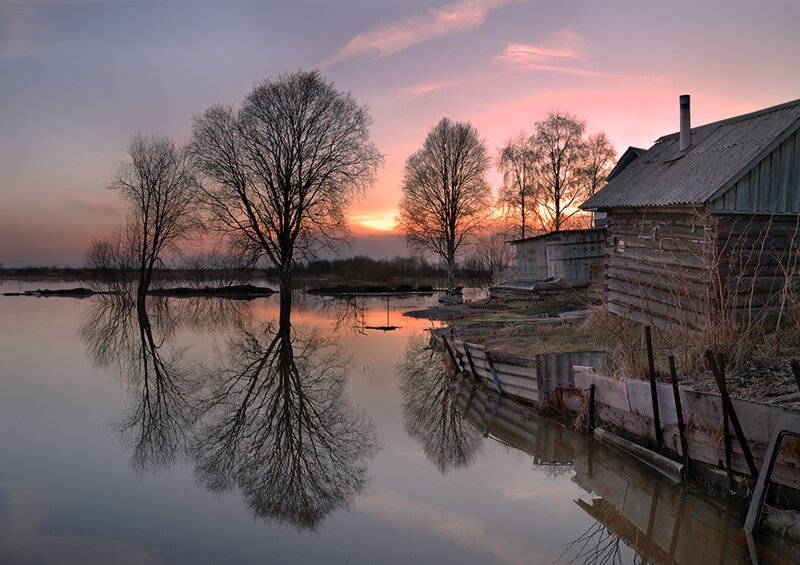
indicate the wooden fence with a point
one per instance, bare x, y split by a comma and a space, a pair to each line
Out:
567, 378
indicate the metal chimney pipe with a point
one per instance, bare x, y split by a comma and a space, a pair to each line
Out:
686, 124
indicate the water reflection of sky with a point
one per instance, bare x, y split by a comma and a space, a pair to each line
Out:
69, 491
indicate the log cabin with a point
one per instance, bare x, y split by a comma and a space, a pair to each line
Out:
704, 224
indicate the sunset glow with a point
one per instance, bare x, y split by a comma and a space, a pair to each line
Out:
380, 221
80, 78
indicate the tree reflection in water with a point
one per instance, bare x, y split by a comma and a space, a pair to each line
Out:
119, 333
429, 409
270, 419
276, 424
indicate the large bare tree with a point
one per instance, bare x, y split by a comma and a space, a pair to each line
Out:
568, 168
561, 154
158, 184
281, 169
445, 192
517, 162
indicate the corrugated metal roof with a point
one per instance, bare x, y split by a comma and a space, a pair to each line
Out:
720, 152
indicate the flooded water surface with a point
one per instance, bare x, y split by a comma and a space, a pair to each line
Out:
211, 431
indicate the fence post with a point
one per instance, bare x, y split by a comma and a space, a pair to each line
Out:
451, 355
727, 406
679, 412
494, 373
651, 365
540, 382
475, 375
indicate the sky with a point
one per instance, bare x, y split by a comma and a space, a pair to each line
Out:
78, 78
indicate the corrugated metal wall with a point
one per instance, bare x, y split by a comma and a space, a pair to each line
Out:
773, 185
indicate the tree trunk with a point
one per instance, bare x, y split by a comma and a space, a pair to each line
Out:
285, 288
451, 273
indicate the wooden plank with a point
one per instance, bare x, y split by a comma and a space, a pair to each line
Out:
787, 158
763, 184
513, 369
707, 448
641, 401
741, 190
632, 423
527, 383
793, 204
517, 392
610, 392
516, 360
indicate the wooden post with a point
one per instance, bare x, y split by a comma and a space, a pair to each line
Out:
450, 354
719, 375
497, 384
475, 375
726, 428
651, 365
679, 412
540, 383
591, 407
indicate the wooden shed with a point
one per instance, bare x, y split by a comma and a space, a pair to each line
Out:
705, 223
567, 255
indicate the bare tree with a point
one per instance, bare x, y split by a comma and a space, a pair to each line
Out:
599, 160
158, 184
561, 154
113, 259
281, 170
491, 257
517, 162
445, 192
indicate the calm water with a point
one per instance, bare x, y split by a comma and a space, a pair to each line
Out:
205, 431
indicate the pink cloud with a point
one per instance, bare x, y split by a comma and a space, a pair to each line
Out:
425, 88
564, 44
401, 34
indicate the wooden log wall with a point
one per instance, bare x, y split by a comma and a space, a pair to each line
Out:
759, 256
659, 266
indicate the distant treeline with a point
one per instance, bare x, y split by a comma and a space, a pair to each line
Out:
358, 268
363, 267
